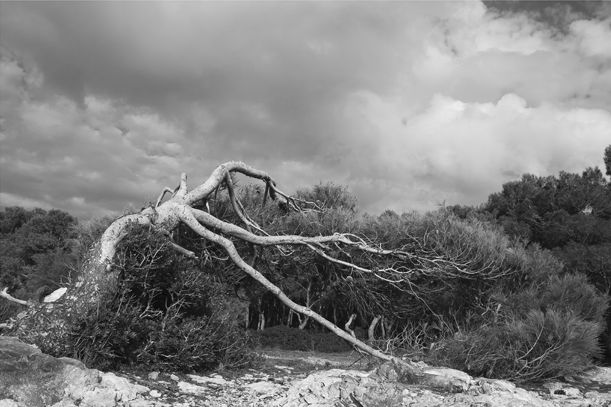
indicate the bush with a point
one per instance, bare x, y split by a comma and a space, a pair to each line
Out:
164, 313
546, 331
542, 345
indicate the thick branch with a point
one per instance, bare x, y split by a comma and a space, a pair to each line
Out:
372, 328
9, 297
242, 234
117, 231
217, 177
166, 189
182, 250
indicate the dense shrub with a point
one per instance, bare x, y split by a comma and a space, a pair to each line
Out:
541, 345
545, 331
164, 313
35, 255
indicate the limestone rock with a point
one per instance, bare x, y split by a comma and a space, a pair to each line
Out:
30, 378
55, 295
598, 374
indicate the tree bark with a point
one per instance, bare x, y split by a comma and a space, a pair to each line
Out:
372, 328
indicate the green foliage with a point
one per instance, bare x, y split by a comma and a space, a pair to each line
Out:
164, 313
554, 211
35, 254
593, 261
281, 337
569, 214
545, 331
541, 345
329, 196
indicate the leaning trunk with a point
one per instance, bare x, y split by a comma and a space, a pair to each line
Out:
49, 325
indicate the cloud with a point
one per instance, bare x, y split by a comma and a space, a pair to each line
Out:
410, 103
594, 38
457, 152
105, 153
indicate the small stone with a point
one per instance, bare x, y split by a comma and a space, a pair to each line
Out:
571, 391
153, 375
174, 377
155, 393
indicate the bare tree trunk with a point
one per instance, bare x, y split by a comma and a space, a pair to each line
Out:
372, 327
261, 325
347, 326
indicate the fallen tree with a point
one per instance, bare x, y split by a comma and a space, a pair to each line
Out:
47, 324
98, 273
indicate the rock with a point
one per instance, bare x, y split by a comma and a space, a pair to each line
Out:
55, 295
29, 378
492, 385
191, 388
122, 388
596, 398
328, 388
445, 379
519, 397
33, 379
215, 379
264, 388
598, 374
552, 387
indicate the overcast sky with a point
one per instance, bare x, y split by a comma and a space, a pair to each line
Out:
410, 104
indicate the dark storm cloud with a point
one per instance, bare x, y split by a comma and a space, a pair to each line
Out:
412, 103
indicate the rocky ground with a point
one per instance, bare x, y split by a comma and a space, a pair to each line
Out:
30, 378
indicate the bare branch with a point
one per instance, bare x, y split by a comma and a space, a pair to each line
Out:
184, 251
347, 326
218, 175
9, 297
229, 247
166, 189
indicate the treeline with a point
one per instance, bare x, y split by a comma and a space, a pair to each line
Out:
515, 288
36, 254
